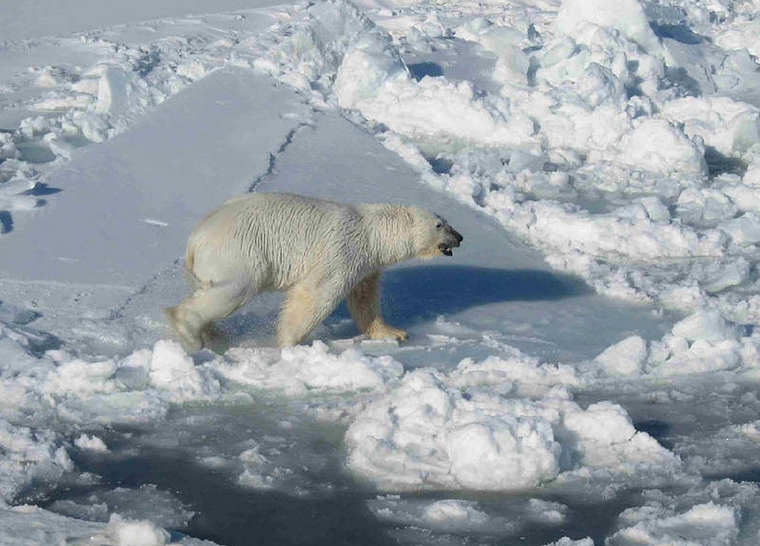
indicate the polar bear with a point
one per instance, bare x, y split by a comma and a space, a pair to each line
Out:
318, 252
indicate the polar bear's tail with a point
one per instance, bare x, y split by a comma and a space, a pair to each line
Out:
189, 258
192, 279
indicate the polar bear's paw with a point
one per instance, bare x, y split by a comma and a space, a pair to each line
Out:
383, 331
191, 339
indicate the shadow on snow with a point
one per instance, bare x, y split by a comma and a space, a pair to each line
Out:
425, 292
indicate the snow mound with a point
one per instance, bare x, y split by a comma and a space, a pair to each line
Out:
711, 515
426, 434
175, 373
702, 342
303, 369
448, 513
578, 18
136, 533
701, 524
729, 126
133, 389
565, 541
517, 373
333, 48
657, 145
604, 437
431, 432
91, 443
624, 358
467, 516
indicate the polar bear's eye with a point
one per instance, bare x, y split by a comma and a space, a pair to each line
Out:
439, 225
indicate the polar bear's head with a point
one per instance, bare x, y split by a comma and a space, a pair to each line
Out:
432, 235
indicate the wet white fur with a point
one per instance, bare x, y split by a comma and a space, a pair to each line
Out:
318, 252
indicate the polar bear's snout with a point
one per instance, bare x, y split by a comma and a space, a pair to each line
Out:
452, 239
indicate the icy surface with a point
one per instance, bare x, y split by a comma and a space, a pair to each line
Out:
583, 371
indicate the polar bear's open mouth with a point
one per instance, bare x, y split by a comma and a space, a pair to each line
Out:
452, 240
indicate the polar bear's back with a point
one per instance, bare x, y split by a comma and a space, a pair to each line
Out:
274, 237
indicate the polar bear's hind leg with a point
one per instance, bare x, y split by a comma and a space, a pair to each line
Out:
187, 332
191, 318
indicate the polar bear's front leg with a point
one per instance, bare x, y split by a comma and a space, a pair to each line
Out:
304, 308
364, 304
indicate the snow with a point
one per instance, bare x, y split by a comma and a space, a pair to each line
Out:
133, 181
29, 526
627, 17
583, 370
657, 146
428, 435
701, 342
696, 518
92, 443
299, 370
137, 533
